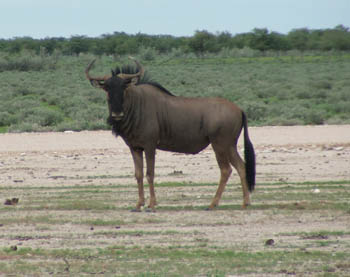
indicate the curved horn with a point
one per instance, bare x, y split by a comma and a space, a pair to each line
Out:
95, 81
139, 74
139, 66
88, 69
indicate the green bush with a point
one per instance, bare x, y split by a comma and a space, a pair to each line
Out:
341, 107
147, 53
315, 117
41, 116
46, 116
26, 61
73, 125
5, 118
256, 111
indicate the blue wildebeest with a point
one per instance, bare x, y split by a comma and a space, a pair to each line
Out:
149, 117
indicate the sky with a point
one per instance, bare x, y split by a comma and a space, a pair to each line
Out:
65, 18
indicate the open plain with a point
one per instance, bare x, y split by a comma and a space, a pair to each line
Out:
76, 190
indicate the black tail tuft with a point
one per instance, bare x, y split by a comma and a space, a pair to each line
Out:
249, 156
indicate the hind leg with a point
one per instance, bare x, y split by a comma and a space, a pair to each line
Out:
225, 171
239, 165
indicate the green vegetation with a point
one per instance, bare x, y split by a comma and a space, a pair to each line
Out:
298, 78
200, 43
156, 261
50, 93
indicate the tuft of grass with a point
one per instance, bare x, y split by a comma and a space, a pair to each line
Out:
317, 234
3, 129
33, 220
102, 222
72, 205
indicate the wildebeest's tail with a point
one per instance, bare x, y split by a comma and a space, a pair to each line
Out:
249, 156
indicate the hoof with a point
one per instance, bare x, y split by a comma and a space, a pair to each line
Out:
150, 210
208, 209
136, 210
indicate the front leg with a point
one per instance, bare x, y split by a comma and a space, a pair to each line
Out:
150, 161
137, 156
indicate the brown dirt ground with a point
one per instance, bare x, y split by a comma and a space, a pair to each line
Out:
284, 154
293, 154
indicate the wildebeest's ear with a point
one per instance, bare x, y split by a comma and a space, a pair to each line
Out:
97, 83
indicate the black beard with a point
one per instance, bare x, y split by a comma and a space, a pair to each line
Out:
116, 125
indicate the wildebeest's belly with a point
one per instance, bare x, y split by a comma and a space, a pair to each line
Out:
187, 146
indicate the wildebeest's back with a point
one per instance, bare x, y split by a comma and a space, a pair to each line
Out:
188, 125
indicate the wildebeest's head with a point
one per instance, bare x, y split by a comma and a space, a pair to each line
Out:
115, 85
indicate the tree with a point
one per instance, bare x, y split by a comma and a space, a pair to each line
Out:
242, 40
202, 42
52, 44
299, 38
224, 40
262, 39
337, 39
78, 44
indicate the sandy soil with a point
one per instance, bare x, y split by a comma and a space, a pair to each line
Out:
298, 153
284, 154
